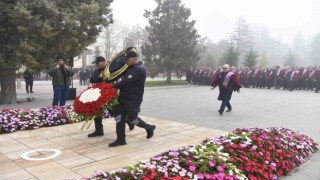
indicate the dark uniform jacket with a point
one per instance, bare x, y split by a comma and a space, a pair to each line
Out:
132, 84
28, 75
225, 93
95, 78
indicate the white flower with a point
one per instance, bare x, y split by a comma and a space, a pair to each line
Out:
90, 95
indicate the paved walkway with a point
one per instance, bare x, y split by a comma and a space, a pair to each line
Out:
82, 156
197, 107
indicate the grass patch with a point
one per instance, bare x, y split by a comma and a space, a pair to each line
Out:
164, 83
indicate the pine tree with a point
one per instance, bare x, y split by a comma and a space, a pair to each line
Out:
172, 38
250, 59
230, 56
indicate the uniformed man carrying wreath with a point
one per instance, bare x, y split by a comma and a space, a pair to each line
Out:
97, 78
130, 98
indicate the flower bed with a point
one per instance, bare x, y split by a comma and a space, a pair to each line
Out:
12, 120
242, 154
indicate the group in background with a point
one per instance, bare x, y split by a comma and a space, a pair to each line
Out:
84, 76
287, 78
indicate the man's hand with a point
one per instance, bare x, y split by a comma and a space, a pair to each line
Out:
212, 88
66, 67
57, 66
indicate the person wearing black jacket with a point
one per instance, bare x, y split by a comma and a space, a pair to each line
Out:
97, 78
28, 77
131, 96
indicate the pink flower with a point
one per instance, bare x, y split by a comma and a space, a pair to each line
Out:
211, 164
207, 176
221, 176
200, 176
220, 169
192, 168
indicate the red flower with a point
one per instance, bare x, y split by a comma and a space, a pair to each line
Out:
91, 108
279, 173
230, 159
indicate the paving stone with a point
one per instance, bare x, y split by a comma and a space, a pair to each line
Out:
46, 169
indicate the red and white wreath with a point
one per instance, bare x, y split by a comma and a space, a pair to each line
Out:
91, 101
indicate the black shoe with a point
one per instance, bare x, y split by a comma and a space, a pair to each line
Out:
220, 112
95, 134
117, 143
131, 126
228, 110
150, 131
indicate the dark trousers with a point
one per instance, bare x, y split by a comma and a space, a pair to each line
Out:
291, 85
225, 103
82, 81
317, 85
98, 124
29, 84
60, 94
128, 110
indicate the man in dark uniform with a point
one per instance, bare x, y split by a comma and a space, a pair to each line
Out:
82, 77
28, 78
97, 78
131, 96
227, 82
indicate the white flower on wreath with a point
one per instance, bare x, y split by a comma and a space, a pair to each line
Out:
90, 95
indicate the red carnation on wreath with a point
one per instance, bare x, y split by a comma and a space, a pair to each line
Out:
92, 101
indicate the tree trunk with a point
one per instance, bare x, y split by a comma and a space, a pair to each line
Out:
168, 77
8, 93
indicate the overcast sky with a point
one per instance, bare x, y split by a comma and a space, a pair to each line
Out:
215, 18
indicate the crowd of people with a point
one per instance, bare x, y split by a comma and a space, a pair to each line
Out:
287, 78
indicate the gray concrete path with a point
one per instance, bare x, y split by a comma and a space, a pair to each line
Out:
198, 105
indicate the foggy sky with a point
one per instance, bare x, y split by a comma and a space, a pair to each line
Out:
215, 18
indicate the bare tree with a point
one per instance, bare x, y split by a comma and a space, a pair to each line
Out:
137, 37
242, 38
124, 37
111, 39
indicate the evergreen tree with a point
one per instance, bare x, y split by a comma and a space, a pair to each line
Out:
230, 56
250, 59
172, 38
33, 33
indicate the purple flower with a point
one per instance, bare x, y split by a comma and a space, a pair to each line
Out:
175, 154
